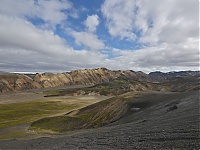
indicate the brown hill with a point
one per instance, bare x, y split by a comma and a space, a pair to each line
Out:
16, 82
82, 77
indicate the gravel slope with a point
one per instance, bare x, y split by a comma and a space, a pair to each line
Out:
160, 125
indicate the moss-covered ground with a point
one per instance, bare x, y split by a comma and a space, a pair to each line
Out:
95, 115
25, 112
14, 115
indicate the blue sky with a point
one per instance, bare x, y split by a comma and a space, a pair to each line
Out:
63, 35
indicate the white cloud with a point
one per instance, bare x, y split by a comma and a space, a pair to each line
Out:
163, 58
51, 11
92, 22
120, 18
23, 47
168, 27
171, 21
156, 20
17, 33
17, 8
88, 38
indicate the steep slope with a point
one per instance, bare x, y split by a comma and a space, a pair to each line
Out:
53, 80
82, 77
95, 115
133, 107
150, 127
16, 82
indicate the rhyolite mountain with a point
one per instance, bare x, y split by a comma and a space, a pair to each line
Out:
17, 82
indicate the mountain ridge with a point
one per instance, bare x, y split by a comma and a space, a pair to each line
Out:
17, 82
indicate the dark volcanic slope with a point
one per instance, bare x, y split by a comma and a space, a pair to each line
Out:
165, 121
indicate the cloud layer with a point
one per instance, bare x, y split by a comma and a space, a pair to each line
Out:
167, 32
88, 38
24, 47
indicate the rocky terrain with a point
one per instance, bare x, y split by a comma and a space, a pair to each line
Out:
157, 120
135, 110
17, 82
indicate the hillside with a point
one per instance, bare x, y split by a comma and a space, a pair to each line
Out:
125, 91
104, 112
144, 120
151, 111
17, 82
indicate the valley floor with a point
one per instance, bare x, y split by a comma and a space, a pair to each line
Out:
30, 95
19, 109
169, 121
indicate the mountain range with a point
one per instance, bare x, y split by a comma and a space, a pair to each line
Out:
18, 82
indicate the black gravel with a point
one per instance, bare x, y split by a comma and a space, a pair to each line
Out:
154, 127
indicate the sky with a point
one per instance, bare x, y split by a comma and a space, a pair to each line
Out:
65, 35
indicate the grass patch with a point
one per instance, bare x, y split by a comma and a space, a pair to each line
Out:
26, 112
13, 135
94, 115
58, 124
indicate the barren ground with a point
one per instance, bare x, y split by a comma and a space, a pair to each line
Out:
160, 125
15, 125
30, 95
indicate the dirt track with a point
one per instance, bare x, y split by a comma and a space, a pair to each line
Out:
155, 127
